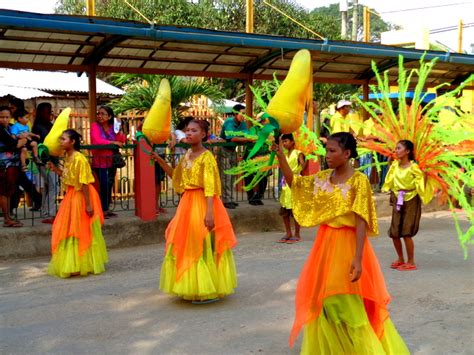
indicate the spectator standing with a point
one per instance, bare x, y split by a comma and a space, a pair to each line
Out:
228, 156
18, 112
339, 119
255, 195
9, 166
297, 163
102, 133
48, 179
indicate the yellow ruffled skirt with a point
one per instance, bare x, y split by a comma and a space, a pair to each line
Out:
205, 279
344, 328
66, 260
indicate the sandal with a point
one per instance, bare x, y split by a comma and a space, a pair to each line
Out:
396, 264
283, 239
407, 267
12, 224
293, 240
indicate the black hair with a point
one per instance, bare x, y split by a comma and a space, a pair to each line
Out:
346, 141
238, 107
109, 111
41, 118
5, 108
74, 135
20, 107
204, 125
184, 122
288, 136
409, 146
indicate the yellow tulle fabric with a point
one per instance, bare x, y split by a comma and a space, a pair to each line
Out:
343, 328
66, 260
208, 278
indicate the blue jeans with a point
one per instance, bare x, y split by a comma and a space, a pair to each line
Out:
365, 160
106, 178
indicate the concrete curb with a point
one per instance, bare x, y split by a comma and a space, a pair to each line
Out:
127, 230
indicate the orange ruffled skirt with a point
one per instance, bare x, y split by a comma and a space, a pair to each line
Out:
198, 264
339, 316
77, 243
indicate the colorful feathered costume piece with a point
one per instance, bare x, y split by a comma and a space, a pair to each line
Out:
443, 136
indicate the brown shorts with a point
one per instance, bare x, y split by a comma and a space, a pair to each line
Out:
286, 212
8, 177
405, 223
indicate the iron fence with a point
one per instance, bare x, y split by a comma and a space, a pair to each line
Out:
38, 190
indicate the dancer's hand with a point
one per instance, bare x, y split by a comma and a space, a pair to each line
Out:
278, 149
209, 221
89, 211
356, 270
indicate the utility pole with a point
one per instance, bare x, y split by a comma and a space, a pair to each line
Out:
366, 24
249, 17
343, 10
90, 7
355, 18
460, 28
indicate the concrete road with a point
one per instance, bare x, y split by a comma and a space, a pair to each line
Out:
123, 312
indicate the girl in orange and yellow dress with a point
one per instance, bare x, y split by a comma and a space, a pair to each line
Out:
77, 243
341, 298
199, 264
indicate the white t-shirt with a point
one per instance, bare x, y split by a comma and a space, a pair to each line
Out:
180, 135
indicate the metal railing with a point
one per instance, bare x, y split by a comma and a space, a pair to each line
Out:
39, 193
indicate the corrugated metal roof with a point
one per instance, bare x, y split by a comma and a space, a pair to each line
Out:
87, 44
52, 81
22, 92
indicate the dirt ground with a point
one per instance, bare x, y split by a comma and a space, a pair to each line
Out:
122, 311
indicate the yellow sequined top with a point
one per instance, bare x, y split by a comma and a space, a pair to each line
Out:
200, 173
318, 201
410, 179
285, 197
76, 171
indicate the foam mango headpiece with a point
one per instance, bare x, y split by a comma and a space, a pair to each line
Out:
51, 141
157, 125
295, 95
293, 98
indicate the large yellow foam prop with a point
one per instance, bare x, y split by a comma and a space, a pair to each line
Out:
295, 95
157, 125
51, 141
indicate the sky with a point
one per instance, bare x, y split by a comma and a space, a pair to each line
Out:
430, 17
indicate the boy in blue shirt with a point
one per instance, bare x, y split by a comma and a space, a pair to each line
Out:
21, 130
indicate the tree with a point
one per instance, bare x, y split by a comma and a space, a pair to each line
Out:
141, 91
331, 16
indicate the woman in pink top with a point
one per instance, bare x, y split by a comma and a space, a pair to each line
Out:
102, 133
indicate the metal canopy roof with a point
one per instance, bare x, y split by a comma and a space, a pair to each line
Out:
78, 43
53, 82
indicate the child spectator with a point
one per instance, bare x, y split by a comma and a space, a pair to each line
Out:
21, 129
297, 163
